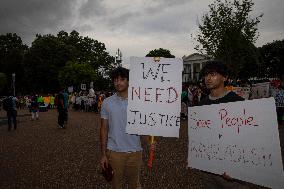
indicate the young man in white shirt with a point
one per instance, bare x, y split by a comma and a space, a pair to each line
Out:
122, 151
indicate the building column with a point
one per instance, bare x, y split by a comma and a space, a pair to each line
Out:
191, 70
200, 68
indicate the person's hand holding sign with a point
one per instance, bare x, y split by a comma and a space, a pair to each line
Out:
227, 177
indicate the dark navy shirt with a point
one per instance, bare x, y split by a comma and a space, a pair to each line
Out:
230, 97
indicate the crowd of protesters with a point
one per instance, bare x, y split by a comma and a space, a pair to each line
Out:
86, 102
117, 152
192, 94
79, 101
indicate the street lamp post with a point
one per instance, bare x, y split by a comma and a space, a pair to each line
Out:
118, 57
13, 83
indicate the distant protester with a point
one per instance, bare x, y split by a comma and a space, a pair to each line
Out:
10, 106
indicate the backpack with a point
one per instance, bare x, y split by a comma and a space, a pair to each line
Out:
8, 103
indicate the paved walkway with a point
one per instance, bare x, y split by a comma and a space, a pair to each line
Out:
39, 155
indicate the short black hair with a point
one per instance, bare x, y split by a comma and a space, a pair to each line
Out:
120, 71
215, 66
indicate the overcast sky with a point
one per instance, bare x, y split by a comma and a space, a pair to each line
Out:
133, 26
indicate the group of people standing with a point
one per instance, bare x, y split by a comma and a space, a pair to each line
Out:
88, 102
191, 96
33, 103
123, 152
61, 101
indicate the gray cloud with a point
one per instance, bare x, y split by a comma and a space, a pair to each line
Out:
271, 26
92, 9
29, 17
34, 14
134, 26
171, 22
160, 5
120, 20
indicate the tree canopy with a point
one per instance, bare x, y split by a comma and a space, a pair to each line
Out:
228, 32
12, 51
41, 67
273, 57
160, 53
3, 82
76, 73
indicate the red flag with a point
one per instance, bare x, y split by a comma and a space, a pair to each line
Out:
151, 153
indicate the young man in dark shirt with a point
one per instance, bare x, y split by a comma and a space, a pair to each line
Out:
62, 110
215, 74
10, 106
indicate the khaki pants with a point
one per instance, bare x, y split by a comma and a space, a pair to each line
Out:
125, 164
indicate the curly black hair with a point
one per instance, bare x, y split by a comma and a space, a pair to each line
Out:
120, 71
214, 66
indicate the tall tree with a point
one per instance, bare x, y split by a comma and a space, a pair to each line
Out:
273, 56
49, 54
3, 82
12, 52
87, 50
160, 53
76, 73
227, 32
90, 51
45, 58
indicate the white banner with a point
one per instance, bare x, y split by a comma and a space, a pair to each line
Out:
239, 138
83, 87
154, 96
242, 91
260, 90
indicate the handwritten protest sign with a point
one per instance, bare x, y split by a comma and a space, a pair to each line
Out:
260, 90
239, 138
154, 97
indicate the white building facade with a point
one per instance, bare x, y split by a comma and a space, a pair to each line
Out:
192, 65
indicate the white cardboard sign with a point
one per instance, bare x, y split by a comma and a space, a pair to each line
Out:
83, 86
260, 90
239, 138
154, 96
